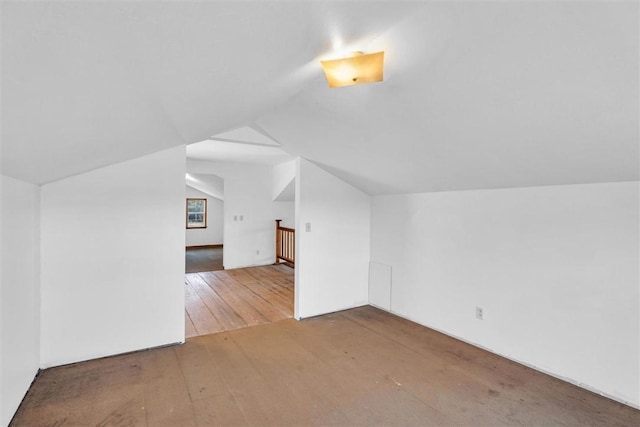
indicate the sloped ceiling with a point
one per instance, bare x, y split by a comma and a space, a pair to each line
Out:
244, 145
223, 151
210, 184
482, 95
476, 94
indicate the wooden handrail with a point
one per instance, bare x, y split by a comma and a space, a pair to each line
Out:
285, 243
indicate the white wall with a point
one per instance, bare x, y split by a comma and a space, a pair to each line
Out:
332, 259
113, 259
284, 176
212, 235
554, 268
19, 293
248, 194
284, 211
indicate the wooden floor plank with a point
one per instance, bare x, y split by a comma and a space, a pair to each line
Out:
283, 305
236, 295
190, 329
197, 312
240, 274
226, 316
278, 284
253, 292
200, 309
231, 299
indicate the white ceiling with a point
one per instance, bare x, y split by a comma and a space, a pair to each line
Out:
210, 184
244, 145
476, 94
223, 151
247, 135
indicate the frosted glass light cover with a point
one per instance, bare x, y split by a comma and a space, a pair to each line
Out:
357, 69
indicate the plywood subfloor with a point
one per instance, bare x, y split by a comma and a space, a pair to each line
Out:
217, 301
361, 367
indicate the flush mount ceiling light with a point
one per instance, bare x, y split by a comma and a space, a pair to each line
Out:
353, 70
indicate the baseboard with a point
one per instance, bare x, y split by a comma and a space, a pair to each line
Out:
235, 267
204, 247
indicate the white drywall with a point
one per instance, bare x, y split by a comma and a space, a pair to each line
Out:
555, 270
380, 285
285, 211
249, 211
284, 176
249, 236
20, 293
332, 259
113, 259
212, 235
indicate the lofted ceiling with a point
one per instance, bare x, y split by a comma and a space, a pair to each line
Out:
242, 145
476, 94
210, 184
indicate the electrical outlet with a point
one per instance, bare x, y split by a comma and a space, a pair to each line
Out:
307, 227
257, 251
241, 218
235, 217
479, 313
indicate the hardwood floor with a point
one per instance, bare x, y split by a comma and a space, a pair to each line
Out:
361, 367
219, 301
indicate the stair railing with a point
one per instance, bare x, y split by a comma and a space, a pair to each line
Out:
285, 244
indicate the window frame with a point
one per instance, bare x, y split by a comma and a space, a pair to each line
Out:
204, 212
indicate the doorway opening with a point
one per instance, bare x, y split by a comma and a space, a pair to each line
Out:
259, 188
204, 219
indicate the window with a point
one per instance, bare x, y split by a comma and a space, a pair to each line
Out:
196, 213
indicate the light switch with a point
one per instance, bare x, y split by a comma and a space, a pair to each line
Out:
307, 227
